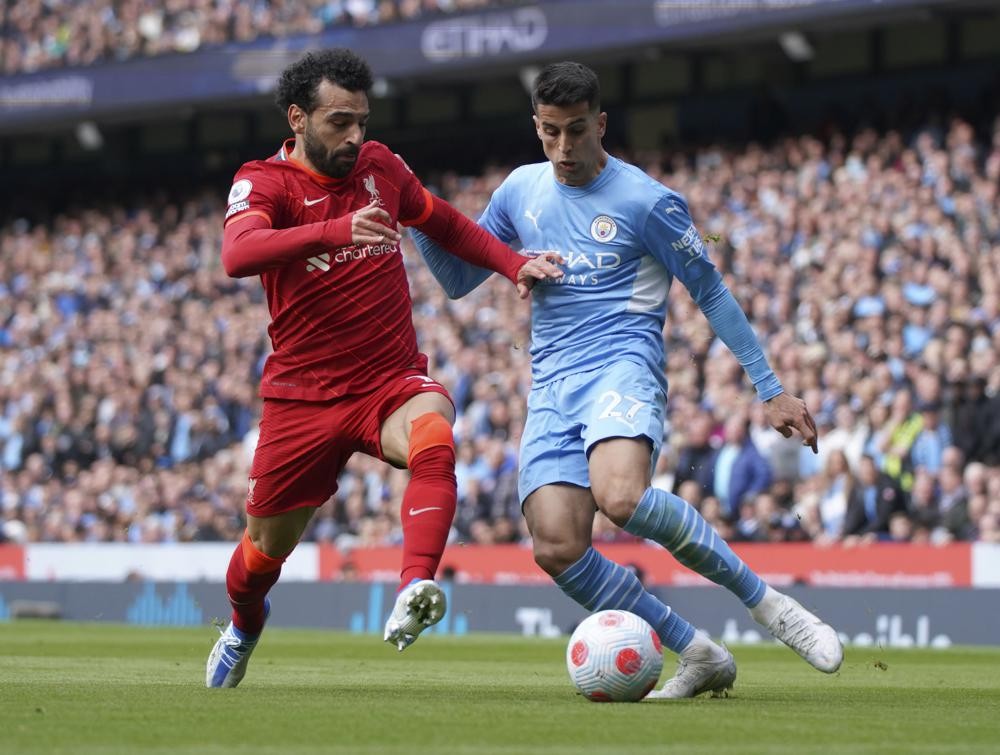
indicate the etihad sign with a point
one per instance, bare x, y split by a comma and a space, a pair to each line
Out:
484, 35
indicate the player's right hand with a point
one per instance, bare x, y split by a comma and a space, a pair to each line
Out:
786, 413
545, 265
373, 225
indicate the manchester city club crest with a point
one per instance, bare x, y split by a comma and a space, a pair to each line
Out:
603, 229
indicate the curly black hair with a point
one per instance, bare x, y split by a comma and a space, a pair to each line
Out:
564, 84
300, 80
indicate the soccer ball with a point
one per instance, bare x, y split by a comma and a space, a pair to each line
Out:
614, 657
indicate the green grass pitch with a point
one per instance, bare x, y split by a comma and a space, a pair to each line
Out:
90, 688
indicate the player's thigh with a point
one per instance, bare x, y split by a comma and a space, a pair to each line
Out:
560, 519
394, 436
620, 471
624, 429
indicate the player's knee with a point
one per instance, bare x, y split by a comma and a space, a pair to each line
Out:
430, 430
275, 545
556, 556
617, 501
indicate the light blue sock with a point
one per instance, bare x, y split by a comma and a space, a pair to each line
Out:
677, 526
598, 584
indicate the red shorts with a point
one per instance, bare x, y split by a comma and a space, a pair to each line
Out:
304, 445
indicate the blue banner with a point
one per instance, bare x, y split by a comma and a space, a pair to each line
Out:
532, 33
864, 617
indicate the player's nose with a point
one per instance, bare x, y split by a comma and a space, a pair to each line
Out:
356, 135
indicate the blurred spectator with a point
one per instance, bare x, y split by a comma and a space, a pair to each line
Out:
872, 501
37, 35
768, 522
933, 438
977, 419
848, 435
900, 529
696, 457
896, 439
739, 471
782, 454
953, 502
835, 488
924, 501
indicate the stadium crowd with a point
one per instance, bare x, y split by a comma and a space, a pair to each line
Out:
869, 265
42, 34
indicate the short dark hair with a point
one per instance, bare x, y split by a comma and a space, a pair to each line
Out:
566, 83
300, 80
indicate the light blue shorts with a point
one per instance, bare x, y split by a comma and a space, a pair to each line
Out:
567, 417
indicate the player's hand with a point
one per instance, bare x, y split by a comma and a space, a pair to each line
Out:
373, 225
538, 268
786, 413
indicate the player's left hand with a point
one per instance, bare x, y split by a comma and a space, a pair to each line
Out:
786, 413
538, 268
373, 225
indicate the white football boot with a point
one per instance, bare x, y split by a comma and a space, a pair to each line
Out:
419, 605
801, 630
227, 663
702, 666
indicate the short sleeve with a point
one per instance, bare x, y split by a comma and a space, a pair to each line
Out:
671, 237
496, 218
255, 191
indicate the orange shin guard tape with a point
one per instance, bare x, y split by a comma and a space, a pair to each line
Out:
255, 561
429, 430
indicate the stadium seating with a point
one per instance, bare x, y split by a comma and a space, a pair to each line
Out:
38, 35
868, 263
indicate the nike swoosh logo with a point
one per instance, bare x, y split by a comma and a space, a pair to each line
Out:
311, 202
414, 512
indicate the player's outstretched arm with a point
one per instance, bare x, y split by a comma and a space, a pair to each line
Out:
456, 276
784, 411
672, 238
477, 246
250, 246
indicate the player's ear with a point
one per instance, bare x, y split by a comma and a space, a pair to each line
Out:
602, 124
538, 125
297, 119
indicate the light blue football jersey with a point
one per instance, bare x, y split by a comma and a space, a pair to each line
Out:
624, 238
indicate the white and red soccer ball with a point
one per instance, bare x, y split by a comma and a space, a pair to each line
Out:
614, 657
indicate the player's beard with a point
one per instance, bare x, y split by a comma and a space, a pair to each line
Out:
336, 164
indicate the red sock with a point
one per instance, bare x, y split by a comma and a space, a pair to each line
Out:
428, 509
250, 576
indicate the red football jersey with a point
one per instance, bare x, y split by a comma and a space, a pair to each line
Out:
341, 321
